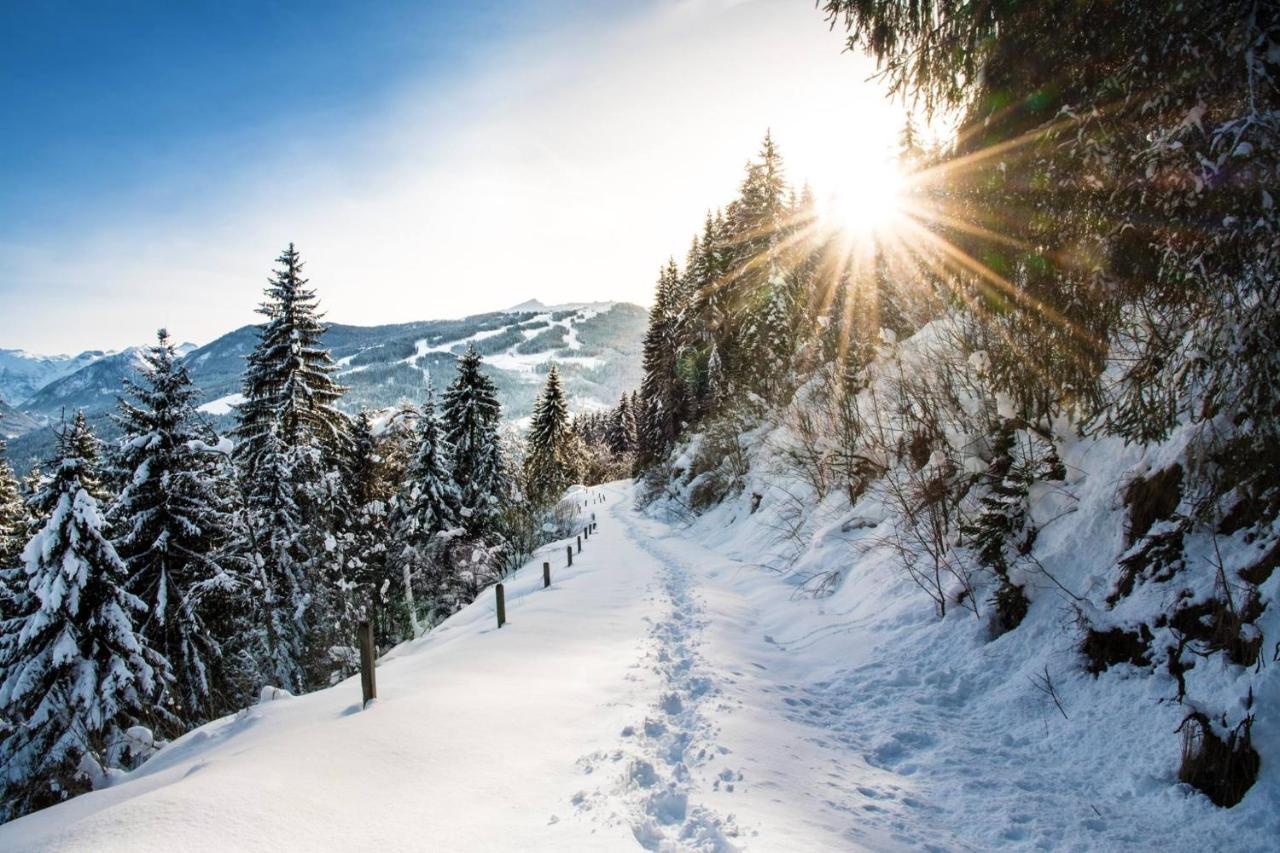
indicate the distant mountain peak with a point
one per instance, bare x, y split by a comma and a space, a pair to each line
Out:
529, 305
537, 306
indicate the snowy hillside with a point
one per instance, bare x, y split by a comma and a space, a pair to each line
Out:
666, 693
22, 374
596, 345
14, 422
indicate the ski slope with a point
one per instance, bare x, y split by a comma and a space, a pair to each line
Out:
659, 695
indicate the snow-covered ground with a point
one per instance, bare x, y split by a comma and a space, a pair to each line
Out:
525, 364
222, 405
668, 693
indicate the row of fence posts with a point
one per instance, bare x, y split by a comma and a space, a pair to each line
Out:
369, 649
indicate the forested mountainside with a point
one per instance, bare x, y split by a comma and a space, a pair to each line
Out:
595, 345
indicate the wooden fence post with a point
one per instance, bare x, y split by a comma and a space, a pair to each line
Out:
502, 604
368, 682
568, 550
579, 544
586, 532
546, 575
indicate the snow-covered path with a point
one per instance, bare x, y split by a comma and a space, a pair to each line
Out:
629, 706
658, 696
740, 744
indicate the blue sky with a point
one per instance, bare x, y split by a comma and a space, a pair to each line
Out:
148, 101
430, 159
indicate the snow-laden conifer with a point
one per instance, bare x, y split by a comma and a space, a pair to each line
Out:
291, 438
170, 524
426, 511
471, 417
554, 457
14, 524
76, 672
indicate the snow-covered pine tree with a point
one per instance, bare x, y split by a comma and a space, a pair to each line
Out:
471, 416
170, 524
621, 432
554, 457
1002, 530
15, 523
88, 448
701, 306
774, 338
361, 588
32, 484
290, 439
288, 384
426, 507
660, 387
75, 674
13, 513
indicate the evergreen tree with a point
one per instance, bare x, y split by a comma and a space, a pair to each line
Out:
1002, 530
661, 388
14, 519
87, 447
15, 523
774, 338
471, 417
289, 387
362, 589
426, 508
32, 484
621, 434
554, 457
74, 671
171, 522
290, 438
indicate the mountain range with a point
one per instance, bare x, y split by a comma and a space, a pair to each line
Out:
595, 345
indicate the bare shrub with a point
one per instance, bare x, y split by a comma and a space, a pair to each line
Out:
1222, 768
722, 459
926, 506
925, 489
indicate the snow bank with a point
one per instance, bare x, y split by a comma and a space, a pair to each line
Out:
968, 727
473, 744
222, 405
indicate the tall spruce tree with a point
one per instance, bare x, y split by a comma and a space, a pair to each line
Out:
363, 585
621, 432
773, 338
471, 417
171, 523
290, 440
75, 673
661, 387
15, 522
426, 508
554, 457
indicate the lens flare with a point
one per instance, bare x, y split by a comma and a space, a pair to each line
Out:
870, 203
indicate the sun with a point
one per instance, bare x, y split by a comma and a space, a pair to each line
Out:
867, 202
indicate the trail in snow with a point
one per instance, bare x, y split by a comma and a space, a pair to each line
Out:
676, 738
659, 696
743, 745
